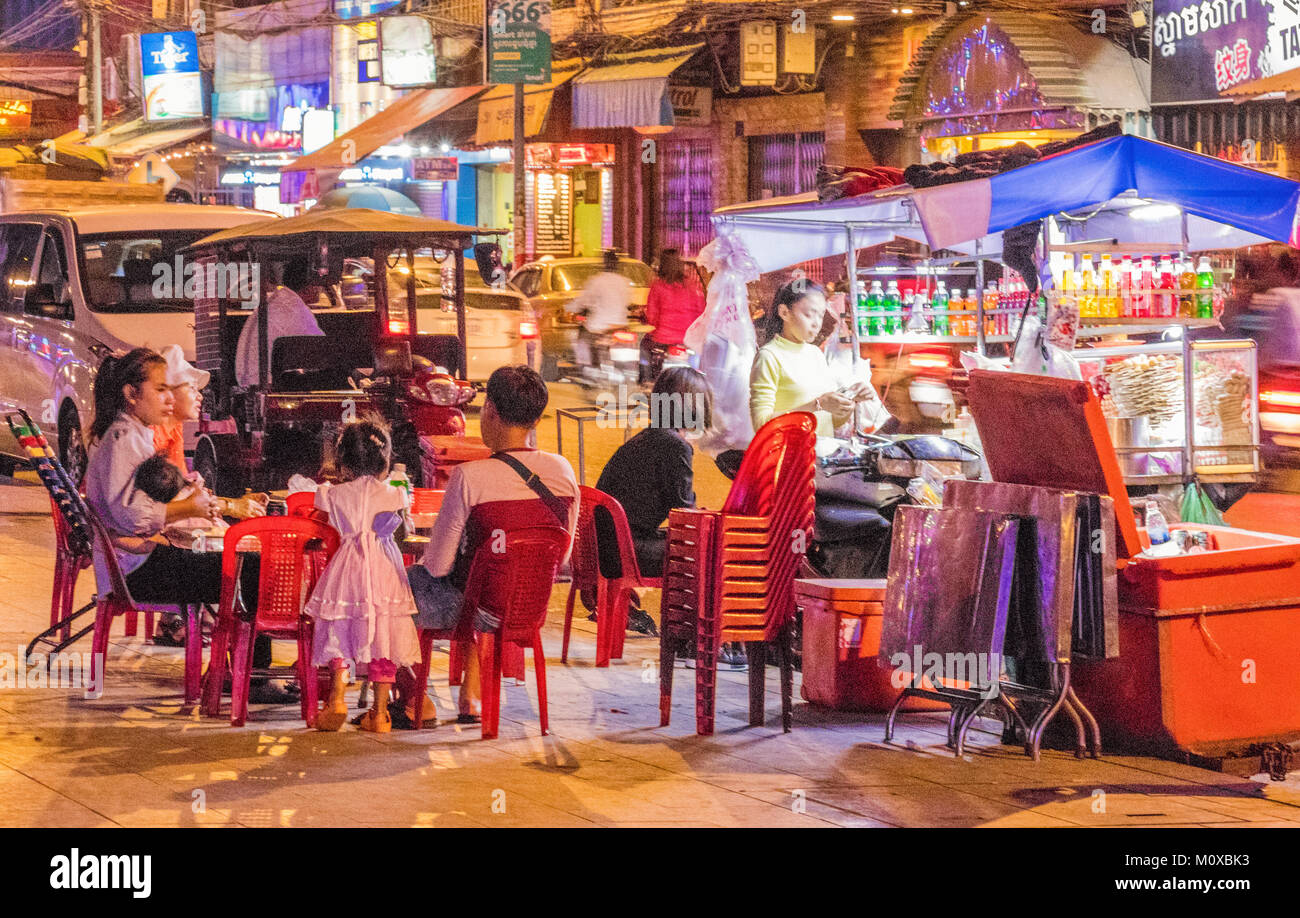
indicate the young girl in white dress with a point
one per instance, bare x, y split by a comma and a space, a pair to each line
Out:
362, 604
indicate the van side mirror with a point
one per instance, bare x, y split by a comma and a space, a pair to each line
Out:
44, 300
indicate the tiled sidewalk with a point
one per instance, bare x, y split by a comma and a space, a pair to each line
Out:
134, 758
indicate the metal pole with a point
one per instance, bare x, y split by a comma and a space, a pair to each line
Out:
520, 206
855, 289
980, 346
1189, 412
96, 75
460, 310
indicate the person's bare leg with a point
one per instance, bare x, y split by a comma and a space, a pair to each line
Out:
377, 719
335, 711
471, 695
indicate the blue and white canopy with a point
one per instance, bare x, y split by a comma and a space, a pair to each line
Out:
1123, 188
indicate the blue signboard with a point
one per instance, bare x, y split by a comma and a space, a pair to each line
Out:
173, 84
1202, 49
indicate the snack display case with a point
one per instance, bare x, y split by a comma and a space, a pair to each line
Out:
1176, 409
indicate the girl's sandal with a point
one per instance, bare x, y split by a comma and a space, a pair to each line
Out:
329, 720
371, 724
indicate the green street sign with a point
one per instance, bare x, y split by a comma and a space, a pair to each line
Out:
517, 41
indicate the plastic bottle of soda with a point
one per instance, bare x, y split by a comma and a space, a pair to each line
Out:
942, 325
1169, 290
875, 297
1204, 289
1107, 299
891, 305
1125, 284
1146, 281
1187, 289
1087, 289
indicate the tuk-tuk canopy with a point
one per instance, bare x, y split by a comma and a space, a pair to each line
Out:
351, 228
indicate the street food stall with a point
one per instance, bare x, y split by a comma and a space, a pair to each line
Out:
1199, 620
369, 358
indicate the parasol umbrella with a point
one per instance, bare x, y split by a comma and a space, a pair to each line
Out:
371, 197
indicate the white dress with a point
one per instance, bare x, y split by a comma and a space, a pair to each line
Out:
362, 604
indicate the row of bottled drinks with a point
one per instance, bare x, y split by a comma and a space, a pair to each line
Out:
1142, 289
884, 310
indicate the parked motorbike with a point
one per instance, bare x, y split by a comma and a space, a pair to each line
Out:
859, 488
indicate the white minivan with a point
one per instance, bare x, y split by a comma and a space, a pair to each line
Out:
78, 283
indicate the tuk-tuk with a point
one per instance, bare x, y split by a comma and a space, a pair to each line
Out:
370, 359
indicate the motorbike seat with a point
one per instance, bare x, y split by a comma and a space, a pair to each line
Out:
843, 521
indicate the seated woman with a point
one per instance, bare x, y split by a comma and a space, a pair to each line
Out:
186, 383
652, 474
131, 394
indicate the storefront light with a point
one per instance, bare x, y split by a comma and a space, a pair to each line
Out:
842, 17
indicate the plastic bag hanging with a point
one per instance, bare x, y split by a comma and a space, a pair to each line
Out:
1198, 508
723, 337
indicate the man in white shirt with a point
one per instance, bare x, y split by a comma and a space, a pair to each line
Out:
604, 299
287, 314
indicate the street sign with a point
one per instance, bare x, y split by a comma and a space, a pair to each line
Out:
152, 169
517, 36
435, 168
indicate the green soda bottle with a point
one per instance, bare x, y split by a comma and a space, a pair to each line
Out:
875, 301
892, 306
1204, 289
940, 305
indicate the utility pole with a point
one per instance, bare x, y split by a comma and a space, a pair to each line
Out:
521, 229
96, 74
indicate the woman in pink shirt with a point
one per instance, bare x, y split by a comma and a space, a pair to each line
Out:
674, 302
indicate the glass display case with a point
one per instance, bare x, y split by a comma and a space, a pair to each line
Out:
1178, 408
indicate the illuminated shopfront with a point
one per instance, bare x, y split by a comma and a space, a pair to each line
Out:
999, 79
569, 190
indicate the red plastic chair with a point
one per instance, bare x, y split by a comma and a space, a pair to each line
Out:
68, 565
117, 601
729, 574
612, 592
584, 564
515, 586
303, 504
426, 501
286, 547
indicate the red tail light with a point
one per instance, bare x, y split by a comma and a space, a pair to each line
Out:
527, 328
623, 337
676, 351
399, 327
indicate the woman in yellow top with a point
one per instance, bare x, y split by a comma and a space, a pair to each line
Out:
791, 373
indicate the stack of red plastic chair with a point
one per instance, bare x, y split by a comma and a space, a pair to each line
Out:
729, 574
285, 547
613, 588
514, 586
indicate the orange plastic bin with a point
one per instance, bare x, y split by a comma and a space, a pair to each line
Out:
841, 641
1209, 643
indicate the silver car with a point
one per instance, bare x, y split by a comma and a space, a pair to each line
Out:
76, 284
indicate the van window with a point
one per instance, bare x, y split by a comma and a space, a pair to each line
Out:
17, 254
137, 271
52, 277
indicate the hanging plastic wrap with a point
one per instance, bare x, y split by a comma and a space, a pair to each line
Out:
725, 343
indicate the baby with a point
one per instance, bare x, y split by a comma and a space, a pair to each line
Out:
161, 481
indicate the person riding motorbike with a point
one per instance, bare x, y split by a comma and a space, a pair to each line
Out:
604, 300
675, 301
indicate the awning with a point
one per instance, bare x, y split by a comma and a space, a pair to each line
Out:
628, 90
1226, 205
496, 109
1288, 81
407, 113
136, 137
